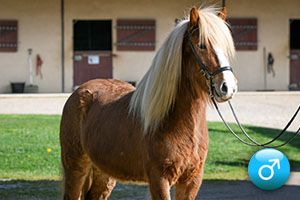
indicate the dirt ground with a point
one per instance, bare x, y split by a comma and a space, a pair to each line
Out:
210, 190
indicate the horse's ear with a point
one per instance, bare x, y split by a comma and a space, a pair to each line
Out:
194, 18
223, 13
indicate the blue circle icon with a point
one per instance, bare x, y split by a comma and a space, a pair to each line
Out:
269, 169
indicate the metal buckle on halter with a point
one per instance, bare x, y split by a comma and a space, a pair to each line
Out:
202, 72
211, 93
211, 87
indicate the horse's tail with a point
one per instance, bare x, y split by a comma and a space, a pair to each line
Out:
76, 163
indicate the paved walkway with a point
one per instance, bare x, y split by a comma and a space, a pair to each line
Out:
267, 109
32, 103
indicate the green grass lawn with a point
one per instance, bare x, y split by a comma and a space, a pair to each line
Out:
228, 158
29, 149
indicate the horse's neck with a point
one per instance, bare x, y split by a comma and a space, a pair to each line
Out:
192, 95
191, 102
189, 112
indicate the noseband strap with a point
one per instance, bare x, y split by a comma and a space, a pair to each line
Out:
221, 69
209, 77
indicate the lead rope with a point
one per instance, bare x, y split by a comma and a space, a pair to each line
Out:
245, 133
271, 141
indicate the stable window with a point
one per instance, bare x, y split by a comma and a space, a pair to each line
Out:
244, 33
8, 35
135, 34
92, 35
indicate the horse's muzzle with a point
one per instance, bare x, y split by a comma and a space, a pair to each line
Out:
226, 88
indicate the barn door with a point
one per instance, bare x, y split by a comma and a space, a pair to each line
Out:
92, 50
294, 55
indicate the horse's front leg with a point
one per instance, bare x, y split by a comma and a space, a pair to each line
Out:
188, 190
159, 186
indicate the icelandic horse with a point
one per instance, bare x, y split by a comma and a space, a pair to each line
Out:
156, 133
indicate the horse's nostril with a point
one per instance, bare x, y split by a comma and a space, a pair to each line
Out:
234, 90
224, 88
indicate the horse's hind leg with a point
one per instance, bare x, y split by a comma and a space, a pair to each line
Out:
102, 185
76, 163
76, 179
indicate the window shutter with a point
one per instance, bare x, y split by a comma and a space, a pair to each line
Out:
244, 33
135, 35
8, 35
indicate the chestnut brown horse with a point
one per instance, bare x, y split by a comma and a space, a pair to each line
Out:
156, 133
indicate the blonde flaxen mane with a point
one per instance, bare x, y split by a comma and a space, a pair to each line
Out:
155, 94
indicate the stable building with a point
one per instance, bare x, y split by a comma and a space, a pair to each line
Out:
64, 43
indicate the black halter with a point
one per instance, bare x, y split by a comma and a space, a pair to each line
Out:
208, 75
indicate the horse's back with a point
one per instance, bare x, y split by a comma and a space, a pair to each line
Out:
106, 90
99, 91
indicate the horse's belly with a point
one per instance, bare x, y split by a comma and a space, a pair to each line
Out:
118, 152
120, 166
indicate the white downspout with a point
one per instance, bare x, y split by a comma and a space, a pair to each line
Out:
30, 67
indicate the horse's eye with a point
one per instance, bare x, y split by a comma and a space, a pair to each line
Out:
201, 46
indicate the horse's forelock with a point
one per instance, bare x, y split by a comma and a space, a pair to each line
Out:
214, 30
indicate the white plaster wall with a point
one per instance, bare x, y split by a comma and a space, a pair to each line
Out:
39, 29
273, 34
